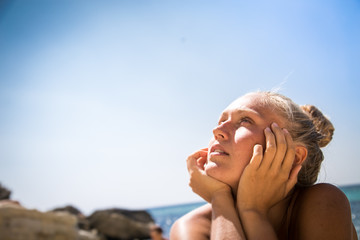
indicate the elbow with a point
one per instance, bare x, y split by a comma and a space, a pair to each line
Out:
177, 230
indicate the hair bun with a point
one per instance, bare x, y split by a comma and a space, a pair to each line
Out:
322, 124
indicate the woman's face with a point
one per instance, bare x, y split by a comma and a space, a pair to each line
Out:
240, 127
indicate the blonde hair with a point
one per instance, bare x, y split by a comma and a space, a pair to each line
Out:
307, 126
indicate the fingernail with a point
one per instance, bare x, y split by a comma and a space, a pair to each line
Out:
267, 129
285, 130
275, 124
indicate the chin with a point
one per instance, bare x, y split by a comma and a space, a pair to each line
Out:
211, 168
220, 174
214, 171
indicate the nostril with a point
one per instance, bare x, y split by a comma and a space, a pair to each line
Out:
219, 133
219, 136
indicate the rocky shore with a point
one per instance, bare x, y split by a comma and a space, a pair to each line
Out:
68, 223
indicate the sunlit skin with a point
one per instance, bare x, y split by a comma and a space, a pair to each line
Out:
248, 175
240, 127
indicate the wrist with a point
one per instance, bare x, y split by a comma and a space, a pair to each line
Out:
221, 195
252, 207
257, 224
252, 213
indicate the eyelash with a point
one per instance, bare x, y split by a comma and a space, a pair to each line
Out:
239, 122
246, 119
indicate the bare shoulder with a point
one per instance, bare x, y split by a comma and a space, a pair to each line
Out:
193, 225
323, 211
323, 196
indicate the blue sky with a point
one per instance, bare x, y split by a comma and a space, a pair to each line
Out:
102, 101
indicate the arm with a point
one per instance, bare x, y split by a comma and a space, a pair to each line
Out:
225, 220
193, 225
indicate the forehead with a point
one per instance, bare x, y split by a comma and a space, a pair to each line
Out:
252, 104
251, 101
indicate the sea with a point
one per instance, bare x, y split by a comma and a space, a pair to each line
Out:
167, 215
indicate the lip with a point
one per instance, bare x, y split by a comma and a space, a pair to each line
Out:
215, 148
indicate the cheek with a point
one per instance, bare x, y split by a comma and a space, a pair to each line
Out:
245, 142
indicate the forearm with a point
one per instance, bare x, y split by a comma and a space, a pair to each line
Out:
225, 219
257, 226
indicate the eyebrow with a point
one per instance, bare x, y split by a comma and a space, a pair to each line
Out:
247, 110
239, 111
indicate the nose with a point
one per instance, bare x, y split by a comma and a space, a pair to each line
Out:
220, 132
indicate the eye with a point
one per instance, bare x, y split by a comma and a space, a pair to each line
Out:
221, 121
245, 120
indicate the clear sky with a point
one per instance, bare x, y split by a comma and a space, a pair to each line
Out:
102, 101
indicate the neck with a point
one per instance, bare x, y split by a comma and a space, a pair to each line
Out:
278, 213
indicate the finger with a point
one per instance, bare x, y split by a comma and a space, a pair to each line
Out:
290, 153
257, 156
191, 161
201, 162
281, 146
270, 149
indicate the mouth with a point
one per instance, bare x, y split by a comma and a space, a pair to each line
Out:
218, 150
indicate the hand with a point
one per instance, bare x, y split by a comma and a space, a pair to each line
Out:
269, 177
202, 184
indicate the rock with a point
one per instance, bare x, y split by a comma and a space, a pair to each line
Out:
4, 192
70, 209
88, 235
122, 224
10, 203
17, 223
83, 222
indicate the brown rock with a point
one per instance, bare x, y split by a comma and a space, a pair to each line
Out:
88, 235
4, 192
17, 223
83, 222
122, 224
10, 203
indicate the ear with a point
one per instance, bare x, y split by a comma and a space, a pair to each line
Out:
300, 155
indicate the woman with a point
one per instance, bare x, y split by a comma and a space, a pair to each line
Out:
258, 176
